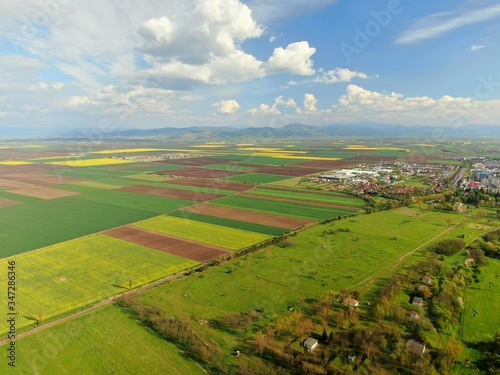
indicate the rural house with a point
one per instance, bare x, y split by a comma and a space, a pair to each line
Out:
416, 347
310, 344
459, 207
427, 279
414, 315
351, 302
417, 301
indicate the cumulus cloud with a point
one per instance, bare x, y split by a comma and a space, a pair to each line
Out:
280, 106
126, 101
294, 59
340, 75
310, 103
226, 107
214, 28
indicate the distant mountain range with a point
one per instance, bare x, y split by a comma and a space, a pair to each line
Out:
301, 131
290, 131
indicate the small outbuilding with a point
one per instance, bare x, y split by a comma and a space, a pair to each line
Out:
414, 315
417, 301
310, 344
351, 302
427, 279
416, 347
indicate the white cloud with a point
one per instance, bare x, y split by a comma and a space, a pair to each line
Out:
121, 101
226, 107
286, 106
294, 59
310, 103
476, 47
340, 75
213, 28
439, 23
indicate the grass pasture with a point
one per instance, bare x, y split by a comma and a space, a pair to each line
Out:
64, 277
229, 238
313, 264
107, 341
482, 303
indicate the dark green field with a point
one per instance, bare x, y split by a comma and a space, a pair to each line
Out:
41, 223
283, 208
259, 228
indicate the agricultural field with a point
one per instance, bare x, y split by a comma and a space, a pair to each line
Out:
299, 210
218, 235
302, 196
230, 222
257, 178
62, 278
27, 226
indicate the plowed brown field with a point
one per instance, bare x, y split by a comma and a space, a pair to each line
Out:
169, 244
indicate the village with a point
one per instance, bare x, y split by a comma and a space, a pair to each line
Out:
389, 180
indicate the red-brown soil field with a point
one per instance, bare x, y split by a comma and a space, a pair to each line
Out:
7, 202
248, 216
172, 193
9, 184
42, 178
44, 192
169, 244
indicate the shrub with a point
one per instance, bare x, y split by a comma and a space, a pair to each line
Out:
449, 246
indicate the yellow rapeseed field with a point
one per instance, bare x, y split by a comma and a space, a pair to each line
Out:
14, 162
68, 276
91, 162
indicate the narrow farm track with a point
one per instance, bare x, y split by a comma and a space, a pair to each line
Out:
370, 279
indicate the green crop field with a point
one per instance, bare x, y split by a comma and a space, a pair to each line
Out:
154, 168
237, 224
106, 341
217, 235
324, 198
259, 160
259, 178
228, 167
283, 208
70, 275
318, 259
42, 223
482, 303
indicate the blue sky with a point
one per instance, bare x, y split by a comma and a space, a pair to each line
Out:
248, 62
